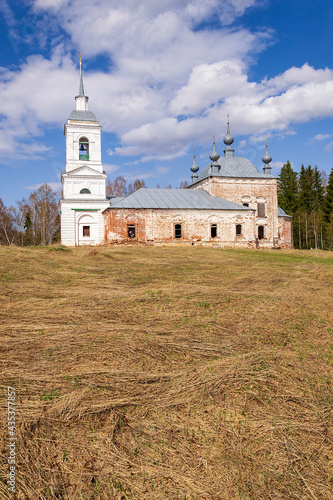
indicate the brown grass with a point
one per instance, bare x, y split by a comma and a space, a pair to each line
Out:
168, 373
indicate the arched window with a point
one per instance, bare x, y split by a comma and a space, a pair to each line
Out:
213, 230
261, 232
238, 229
83, 149
85, 191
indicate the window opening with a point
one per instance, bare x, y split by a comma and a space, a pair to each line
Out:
178, 230
86, 231
260, 232
85, 191
131, 231
213, 230
83, 149
261, 209
238, 229
245, 204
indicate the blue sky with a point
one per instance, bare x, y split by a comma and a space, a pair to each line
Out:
161, 78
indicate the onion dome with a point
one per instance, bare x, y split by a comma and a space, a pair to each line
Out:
194, 167
267, 158
214, 155
228, 139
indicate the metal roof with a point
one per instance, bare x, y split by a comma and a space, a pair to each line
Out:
282, 213
83, 116
114, 199
233, 166
175, 199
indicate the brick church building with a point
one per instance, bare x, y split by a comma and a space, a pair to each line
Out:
230, 203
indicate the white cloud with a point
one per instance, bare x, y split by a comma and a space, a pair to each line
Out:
160, 68
110, 168
321, 137
210, 83
277, 164
56, 186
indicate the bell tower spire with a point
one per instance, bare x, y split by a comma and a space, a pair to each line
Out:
81, 98
81, 88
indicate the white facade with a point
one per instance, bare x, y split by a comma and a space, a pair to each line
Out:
83, 179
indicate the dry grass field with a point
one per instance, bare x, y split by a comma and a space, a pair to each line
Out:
152, 373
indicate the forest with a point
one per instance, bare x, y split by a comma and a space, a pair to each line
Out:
307, 196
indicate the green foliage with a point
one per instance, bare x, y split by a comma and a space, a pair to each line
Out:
328, 203
303, 196
49, 396
288, 189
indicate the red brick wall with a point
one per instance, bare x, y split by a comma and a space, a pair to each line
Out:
158, 226
251, 191
285, 230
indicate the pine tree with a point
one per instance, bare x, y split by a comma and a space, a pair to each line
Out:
287, 189
28, 229
328, 202
328, 212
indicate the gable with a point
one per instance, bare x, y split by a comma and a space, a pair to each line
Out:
84, 170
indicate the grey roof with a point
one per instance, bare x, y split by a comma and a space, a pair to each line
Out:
114, 199
176, 199
282, 213
83, 116
233, 166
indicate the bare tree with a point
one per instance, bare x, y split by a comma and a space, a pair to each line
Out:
7, 225
183, 184
44, 214
137, 184
119, 187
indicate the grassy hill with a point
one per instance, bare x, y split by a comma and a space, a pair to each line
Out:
168, 373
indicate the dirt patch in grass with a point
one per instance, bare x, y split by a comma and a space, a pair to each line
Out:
167, 373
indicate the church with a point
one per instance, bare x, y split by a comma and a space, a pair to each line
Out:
230, 203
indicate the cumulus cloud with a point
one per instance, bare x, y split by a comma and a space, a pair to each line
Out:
169, 84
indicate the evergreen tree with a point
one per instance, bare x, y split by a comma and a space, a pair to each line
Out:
318, 190
287, 189
28, 229
328, 202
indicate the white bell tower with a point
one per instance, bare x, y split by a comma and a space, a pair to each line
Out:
83, 179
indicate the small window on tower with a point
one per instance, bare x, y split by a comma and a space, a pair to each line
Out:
85, 191
86, 231
178, 231
83, 149
238, 229
131, 231
213, 230
261, 209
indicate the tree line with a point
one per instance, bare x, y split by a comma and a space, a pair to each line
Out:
36, 220
308, 197
120, 187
